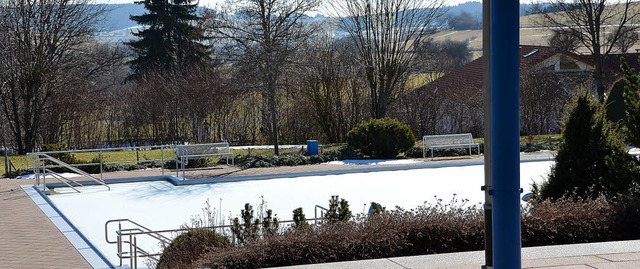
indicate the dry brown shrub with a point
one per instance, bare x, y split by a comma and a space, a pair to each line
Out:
432, 228
187, 247
567, 221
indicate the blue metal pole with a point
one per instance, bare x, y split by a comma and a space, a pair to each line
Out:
505, 133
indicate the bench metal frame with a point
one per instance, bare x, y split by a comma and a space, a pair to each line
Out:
462, 141
186, 152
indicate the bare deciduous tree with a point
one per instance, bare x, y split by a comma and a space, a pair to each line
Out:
386, 33
265, 34
329, 80
587, 20
441, 57
543, 100
563, 40
40, 43
628, 37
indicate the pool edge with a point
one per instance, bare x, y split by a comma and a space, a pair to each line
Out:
84, 247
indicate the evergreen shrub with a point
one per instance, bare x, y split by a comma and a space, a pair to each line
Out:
615, 102
632, 103
592, 159
381, 138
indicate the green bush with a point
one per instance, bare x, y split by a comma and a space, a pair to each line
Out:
187, 248
615, 102
66, 157
592, 159
381, 138
632, 103
257, 161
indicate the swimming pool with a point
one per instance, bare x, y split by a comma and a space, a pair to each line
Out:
161, 205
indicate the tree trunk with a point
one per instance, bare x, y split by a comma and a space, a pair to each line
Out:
598, 76
273, 109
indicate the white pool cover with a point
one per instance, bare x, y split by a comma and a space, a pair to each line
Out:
160, 205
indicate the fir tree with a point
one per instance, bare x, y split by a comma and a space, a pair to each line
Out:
592, 159
171, 37
632, 103
338, 210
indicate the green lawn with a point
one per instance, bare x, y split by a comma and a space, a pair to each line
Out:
132, 156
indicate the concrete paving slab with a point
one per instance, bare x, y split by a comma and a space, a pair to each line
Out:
616, 265
580, 266
622, 257
472, 259
472, 266
561, 261
581, 249
96, 261
363, 264
62, 224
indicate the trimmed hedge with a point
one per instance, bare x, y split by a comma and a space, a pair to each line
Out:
381, 138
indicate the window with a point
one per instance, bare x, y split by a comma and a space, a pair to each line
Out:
568, 64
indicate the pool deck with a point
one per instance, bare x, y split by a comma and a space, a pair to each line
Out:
31, 240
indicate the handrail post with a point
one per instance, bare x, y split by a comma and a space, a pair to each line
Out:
130, 251
162, 163
101, 165
44, 176
37, 174
135, 256
119, 246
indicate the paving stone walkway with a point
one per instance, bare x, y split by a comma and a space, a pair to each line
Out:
28, 239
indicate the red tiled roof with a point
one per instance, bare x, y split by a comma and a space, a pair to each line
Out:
468, 78
611, 64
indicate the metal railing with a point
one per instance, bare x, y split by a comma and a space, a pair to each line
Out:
322, 211
127, 239
36, 160
41, 171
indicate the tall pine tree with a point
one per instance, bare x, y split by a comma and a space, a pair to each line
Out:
171, 37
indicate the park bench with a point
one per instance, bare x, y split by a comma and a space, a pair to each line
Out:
448, 141
186, 152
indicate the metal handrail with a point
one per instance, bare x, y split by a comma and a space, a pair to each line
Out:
136, 251
137, 225
59, 177
47, 157
101, 151
315, 212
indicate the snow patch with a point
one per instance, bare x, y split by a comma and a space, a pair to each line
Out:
373, 162
50, 176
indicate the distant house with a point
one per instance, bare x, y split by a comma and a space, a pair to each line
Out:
548, 79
